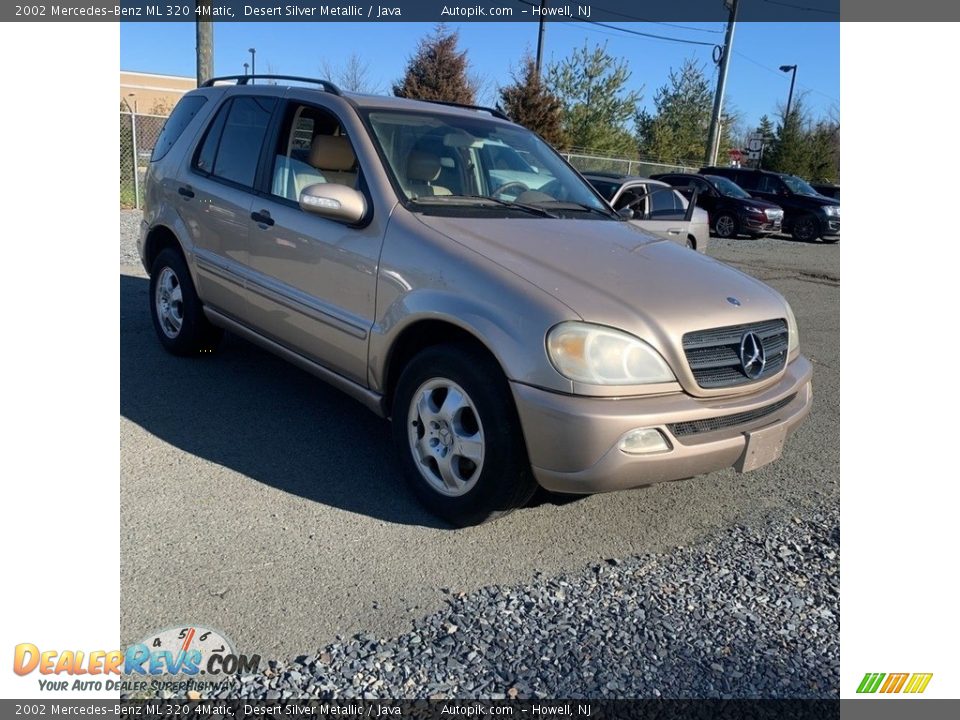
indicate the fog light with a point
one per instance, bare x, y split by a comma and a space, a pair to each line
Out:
642, 441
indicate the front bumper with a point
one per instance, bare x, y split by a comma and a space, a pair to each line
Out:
753, 224
573, 441
830, 227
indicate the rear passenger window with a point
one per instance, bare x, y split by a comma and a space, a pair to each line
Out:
173, 128
233, 143
748, 181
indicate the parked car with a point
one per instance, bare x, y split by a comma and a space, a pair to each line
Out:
827, 190
807, 215
655, 207
731, 209
540, 339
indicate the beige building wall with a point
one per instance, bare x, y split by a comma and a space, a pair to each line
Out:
152, 94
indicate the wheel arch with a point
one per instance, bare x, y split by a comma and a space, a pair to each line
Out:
419, 335
158, 238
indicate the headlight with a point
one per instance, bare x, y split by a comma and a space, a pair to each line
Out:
600, 355
832, 210
755, 210
793, 334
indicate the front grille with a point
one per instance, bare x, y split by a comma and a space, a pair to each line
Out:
694, 427
774, 215
714, 355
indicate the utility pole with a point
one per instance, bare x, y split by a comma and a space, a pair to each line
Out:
793, 79
543, 21
204, 42
714, 138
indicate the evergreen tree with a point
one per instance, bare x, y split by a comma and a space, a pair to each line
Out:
597, 107
677, 130
528, 102
437, 71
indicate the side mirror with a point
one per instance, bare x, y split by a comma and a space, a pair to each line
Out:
535, 169
336, 202
626, 213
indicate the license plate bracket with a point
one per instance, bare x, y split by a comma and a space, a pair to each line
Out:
763, 447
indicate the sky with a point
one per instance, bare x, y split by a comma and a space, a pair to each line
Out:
754, 86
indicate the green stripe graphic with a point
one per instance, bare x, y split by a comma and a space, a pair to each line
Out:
871, 682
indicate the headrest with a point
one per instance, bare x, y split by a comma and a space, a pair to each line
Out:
423, 166
332, 152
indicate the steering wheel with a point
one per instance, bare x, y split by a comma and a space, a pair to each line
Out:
513, 183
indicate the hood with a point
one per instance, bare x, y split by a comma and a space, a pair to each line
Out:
757, 202
814, 200
613, 274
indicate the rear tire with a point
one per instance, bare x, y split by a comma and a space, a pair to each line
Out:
458, 436
176, 310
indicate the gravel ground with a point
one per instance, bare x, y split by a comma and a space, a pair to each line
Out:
129, 231
751, 613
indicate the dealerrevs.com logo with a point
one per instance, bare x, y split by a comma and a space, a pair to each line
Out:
910, 683
179, 651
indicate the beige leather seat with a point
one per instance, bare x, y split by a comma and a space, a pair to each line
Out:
291, 176
422, 169
333, 156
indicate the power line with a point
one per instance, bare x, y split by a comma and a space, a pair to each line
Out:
802, 7
653, 22
784, 77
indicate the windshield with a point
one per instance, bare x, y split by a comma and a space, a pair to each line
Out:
728, 187
800, 187
478, 166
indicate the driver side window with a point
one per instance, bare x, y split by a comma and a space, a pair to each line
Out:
312, 148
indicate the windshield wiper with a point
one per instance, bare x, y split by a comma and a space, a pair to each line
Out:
578, 206
480, 200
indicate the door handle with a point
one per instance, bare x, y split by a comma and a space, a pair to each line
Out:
186, 191
262, 218
675, 231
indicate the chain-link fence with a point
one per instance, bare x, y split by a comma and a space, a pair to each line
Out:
586, 163
138, 135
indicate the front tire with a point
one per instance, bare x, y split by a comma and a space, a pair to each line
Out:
458, 436
726, 226
176, 310
805, 228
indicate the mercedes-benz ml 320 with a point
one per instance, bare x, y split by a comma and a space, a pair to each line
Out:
515, 329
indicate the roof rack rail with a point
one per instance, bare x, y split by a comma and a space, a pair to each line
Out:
245, 79
493, 111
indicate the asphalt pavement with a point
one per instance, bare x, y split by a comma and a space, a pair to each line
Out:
259, 501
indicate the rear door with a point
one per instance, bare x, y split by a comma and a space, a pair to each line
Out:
217, 195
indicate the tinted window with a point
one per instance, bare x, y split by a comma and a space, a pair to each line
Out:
665, 203
606, 188
768, 184
173, 128
233, 144
746, 180
208, 150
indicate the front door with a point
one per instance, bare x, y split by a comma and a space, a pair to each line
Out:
312, 281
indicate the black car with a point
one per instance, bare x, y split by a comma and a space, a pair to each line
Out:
808, 215
731, 208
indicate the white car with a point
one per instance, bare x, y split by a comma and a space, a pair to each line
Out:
656, 207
